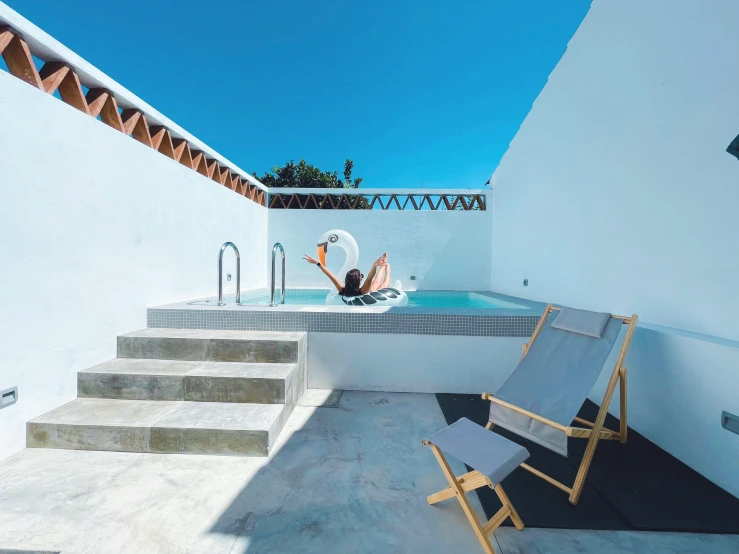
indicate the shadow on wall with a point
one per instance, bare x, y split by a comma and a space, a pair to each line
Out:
350, 479
678, 386
464, 260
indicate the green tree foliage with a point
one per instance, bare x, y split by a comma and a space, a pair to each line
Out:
305, 175
308, 176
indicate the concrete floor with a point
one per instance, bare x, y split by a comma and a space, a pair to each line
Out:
351, 479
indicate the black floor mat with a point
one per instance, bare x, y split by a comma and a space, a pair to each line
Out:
636, 486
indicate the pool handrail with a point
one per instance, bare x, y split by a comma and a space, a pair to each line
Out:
220, 273
272, 284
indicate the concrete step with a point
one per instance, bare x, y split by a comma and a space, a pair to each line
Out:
159, 426
137, 379
215, 346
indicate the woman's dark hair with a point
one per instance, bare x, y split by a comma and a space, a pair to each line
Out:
352, 283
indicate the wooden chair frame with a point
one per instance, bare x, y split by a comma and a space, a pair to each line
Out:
460, 486
596, 430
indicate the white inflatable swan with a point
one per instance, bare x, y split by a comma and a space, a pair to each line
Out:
383, 297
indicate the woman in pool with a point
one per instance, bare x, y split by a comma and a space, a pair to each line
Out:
378, 278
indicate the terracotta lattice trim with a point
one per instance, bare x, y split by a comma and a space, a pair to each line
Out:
60, 76
98, 102
372, 201
18, 57
135, 125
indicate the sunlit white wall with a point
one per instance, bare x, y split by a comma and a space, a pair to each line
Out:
94, 228
443, 250
617, 194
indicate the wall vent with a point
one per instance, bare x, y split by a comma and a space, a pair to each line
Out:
730, 422
8, 397
733, 148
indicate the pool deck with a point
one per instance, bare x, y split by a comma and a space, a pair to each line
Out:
351, 479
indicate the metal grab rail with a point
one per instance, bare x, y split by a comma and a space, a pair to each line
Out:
220, 273
272, 286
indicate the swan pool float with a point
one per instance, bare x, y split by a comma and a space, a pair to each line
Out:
382, 297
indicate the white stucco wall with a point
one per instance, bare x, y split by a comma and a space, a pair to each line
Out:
411, 363
95, 227
444, 250
617, 192
678, 385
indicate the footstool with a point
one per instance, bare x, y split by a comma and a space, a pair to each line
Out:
492, 458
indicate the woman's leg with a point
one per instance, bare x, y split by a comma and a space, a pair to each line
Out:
386, 281
378, 279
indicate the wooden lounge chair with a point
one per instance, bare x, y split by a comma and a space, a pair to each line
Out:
557, 370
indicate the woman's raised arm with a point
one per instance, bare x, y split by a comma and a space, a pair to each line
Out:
326, 271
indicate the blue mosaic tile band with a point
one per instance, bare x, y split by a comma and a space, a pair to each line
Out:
410, 322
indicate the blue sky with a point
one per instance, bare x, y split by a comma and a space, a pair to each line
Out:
414, 92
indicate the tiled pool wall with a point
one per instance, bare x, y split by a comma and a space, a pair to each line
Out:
476, 322
417, 299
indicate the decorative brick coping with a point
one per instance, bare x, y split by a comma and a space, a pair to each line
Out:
476, 322
357, 199
100, 103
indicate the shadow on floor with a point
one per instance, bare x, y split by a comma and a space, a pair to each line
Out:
632, 486
350, 479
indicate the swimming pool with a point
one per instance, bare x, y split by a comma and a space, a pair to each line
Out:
416, 299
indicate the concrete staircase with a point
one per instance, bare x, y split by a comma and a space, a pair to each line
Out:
182, 391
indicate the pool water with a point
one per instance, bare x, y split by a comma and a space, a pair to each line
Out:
416, 299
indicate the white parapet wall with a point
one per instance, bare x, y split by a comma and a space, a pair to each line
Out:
94, 228
617, 194
443, 250
48, 49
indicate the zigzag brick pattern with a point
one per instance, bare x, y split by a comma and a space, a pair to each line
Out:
342, 201
101, 103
